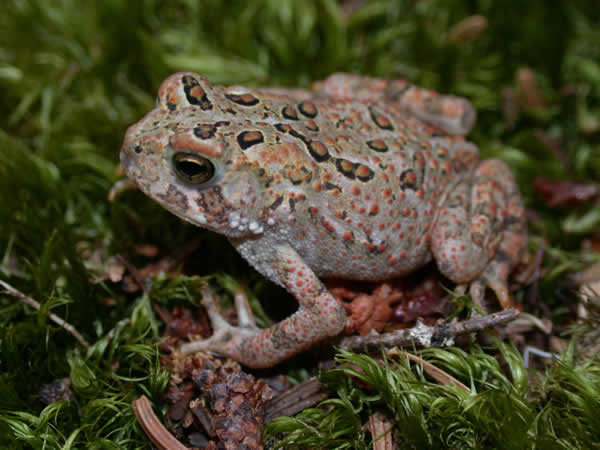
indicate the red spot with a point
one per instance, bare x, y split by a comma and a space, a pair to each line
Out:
348, 236
327, 224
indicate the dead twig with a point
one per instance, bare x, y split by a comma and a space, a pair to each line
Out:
9, 290
153, 428
381, 432
434, 372
438, 335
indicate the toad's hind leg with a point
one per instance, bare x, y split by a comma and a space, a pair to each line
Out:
480, 233
454, 115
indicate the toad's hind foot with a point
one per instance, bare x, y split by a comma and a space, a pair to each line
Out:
494, 279
226, 338
488, 237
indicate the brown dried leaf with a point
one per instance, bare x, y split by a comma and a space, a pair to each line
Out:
115, 269
468, 29
296, 399
530, 91
147, 250
564, 194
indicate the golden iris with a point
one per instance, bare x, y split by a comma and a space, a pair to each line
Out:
192, 168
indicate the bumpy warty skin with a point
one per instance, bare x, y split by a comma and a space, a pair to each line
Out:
364, 179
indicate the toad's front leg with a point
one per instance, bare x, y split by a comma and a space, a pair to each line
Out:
319, 316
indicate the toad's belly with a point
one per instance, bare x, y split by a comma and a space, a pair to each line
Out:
370, 259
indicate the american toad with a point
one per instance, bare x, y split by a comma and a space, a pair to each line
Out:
363, 179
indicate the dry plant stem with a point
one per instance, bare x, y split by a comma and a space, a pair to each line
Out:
8, 289
153, 428
434, 372
381, 432
438, 335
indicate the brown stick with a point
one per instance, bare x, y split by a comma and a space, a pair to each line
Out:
434, 372
153, 428
381, 432
438, 335
8, 289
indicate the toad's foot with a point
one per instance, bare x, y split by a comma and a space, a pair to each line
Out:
226, 338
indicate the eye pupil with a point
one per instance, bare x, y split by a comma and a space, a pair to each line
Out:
193, 168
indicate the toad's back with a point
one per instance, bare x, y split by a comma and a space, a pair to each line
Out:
350, 176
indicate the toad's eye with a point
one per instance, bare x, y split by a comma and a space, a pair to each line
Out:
192, 168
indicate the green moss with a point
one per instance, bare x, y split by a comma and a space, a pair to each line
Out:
502, 411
